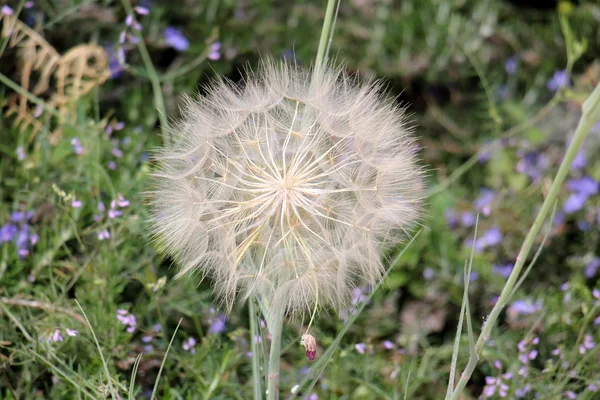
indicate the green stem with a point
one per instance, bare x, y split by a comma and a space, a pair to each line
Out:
255, 354
275, 353
591, 114
325, 34
159, 100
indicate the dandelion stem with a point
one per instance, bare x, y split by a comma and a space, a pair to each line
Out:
256, 378
276, 328
591, 114
325, 34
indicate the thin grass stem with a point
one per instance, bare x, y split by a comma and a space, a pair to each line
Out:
591, 114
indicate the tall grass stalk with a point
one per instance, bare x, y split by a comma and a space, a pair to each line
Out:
590, 115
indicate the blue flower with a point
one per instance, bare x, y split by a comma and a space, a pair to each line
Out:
559, 80
175, 39
511, 65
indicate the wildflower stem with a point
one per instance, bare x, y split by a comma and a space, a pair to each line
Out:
325, 34
255, 354
159, 100
276, 328
591, 114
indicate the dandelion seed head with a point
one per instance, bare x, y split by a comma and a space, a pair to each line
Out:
289, 186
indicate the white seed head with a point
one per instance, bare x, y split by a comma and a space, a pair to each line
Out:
288, 186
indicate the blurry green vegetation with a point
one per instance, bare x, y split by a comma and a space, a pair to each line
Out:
446, 60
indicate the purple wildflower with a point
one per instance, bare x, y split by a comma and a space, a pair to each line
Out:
428, 273
559, 80
76, 203
126, 318
451, 219
214, 53
122, 201
483, 202
20, 153
129, 20
388, 345
175, 39
104, 234
6, 10
570, 395
503, 270
524, 307
511, 65
580, 161
8, 232
56, 336
532, 164
521, 392
360, 347
117, 152
76, 143
588, 344
141, 10
467, 219
112, 165
72, 332
217, 325
189, 345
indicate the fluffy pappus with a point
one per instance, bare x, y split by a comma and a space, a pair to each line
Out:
288, 186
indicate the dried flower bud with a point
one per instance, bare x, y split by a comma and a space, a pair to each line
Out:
288, 187
310, 344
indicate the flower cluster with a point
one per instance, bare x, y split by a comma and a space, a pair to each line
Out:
19, 231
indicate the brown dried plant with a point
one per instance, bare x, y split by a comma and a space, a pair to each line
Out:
63, 80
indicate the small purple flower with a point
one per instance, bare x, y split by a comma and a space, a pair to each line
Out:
8, 232
189, 345
467, 219
76, 203
56, 337
586, 185
565, 286
119, 125
360, 347
428, 273
388, 345
522, 392
117, 152
533, 164
122, 37
523, 307
258, 339
6, 10
217, 325
214, 53
76, 143
129, 20
122, 201
104, 234
147, 339
511, 65
483, 202
141, 10
175, 39
580, 161
559, 80
20, 153
588, 344
503, 270
112, 165
72, 332
570, 395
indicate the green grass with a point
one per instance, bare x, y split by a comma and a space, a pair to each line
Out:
447, 59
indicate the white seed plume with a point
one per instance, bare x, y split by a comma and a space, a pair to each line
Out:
288, 186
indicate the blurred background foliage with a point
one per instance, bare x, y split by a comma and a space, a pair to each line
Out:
472, 74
